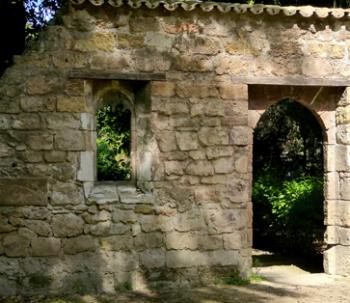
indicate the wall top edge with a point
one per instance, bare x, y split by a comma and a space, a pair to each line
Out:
171, 5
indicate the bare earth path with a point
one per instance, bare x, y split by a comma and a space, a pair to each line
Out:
282, 284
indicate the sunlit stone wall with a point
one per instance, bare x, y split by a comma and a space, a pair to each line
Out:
186, 218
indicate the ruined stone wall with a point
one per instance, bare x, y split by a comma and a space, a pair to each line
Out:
187, 216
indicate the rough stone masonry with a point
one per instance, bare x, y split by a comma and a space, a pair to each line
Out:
197, 77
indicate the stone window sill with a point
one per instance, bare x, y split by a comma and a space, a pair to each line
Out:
117, 192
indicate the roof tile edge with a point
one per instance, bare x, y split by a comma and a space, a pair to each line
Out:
257, 9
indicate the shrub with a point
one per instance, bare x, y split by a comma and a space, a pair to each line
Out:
289, 214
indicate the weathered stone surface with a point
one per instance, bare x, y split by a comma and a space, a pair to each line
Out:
187, 140
186, 258
163, 89
117, 242
337, 260
209, 136
200, 168
79, 244
225, 221
38, 104
70, 140
149, 240
152, 258
17, 244
174, 168
240, 135
223, 165
58, 121
176, 240
41, 228
65, 193
71, 104
45, 247
19, 192
67, 225
96, 41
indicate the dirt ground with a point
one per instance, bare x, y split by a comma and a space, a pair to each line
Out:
281, 284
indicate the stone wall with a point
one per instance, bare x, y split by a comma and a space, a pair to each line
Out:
187, 215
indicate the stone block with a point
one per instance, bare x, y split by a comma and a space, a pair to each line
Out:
38, 104
187, 140
224, 257
186, 258
166, 141
214, 152
64, 193
18, 192
162, 89
225, 220
152, 258
55, 156
59, 121
241, 135
200, 168
148, 240
174, 167
96, 41
224, 165
184, 240
100, 216
208, 242
26, 121
229, 91
124, 216
41, 228
79, 244
210, 136
87, 167
67, 225
344, 186
70, 140
16, 245
117, 242
40, 85
234, 240
71, 104
343, 115
337, 213
45, 247
338, 235
337, 260
343, 134
38, 140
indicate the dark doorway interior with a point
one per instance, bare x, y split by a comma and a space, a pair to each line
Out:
288, 186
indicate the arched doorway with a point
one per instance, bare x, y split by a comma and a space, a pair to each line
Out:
287, 195
323, 103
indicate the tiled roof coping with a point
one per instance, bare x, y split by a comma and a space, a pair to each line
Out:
170, 5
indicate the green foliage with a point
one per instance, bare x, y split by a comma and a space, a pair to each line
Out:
289, 214
113, 143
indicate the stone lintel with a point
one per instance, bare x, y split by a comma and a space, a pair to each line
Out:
115, 75
293, 81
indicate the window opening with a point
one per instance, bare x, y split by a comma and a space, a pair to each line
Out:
114, 141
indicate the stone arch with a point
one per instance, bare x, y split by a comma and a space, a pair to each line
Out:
322, 102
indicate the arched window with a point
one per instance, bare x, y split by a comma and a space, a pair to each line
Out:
114, 144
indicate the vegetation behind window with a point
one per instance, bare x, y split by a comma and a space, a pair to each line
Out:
113, 143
